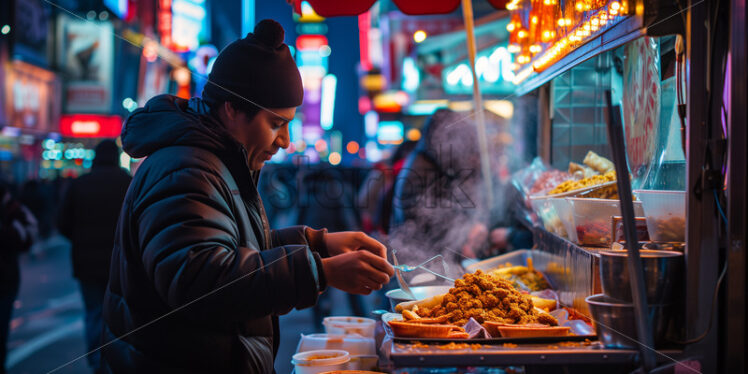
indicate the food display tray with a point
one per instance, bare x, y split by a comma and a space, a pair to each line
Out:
495, 341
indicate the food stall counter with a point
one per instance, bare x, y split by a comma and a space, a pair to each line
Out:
462, 354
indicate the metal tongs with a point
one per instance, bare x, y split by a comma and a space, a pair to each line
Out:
400, 269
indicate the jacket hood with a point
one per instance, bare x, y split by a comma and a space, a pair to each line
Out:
167, 120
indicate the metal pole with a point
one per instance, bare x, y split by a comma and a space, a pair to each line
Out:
467, 14
737, 218
636, 272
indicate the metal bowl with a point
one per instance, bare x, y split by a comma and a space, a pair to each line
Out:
662, 270
615, 322
398, 296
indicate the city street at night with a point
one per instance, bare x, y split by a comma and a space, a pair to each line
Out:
373, 186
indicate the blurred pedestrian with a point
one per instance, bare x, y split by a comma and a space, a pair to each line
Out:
439, 204
88, 217
198, 278
375, 197
18, 230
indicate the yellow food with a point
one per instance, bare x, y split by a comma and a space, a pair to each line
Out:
485, 297
522, 277
425, 303
573, 185
598, 163
547, 304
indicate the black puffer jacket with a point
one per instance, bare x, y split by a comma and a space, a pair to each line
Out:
197, 278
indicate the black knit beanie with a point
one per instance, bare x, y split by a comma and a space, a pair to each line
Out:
258, 68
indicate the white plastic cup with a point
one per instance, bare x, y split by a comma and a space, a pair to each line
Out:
350, 325
319, 361
353, 344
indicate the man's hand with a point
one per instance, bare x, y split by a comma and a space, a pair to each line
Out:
348, 241
356, 271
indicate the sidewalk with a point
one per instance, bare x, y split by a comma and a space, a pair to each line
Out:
47, 324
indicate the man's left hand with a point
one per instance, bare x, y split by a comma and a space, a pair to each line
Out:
349, 241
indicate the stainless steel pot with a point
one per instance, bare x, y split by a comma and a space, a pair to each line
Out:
398, 296
662, 271
615, 322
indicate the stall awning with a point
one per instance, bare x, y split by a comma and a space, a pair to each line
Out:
334, 8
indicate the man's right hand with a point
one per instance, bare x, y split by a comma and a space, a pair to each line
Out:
358, 272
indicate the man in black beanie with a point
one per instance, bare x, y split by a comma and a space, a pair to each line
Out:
198, 278
88, 218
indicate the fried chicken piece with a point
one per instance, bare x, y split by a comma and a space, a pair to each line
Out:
484, 297
547, 319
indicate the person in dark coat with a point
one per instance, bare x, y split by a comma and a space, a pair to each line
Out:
198, 278
18, 230
88, 218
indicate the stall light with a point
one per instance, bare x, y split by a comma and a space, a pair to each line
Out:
334, 158
419, 36
411, 75
320, 145
301, 146
615, 6
327, 104
371, 123
513, 48
124, 160
568, 21
561, 22
535, 48
522, 34
426, 107
372, 152
502, 108
390, 132
352, 147
413, 135
534, 20
522, 75
579, 6
510, 26
325, 51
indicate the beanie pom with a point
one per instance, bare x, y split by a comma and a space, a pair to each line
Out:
270, 33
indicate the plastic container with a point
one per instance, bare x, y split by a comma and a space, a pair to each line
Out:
320, 361
593, 219
363, 362
350, 325
353, 344
566, 215
547, 214
666, 214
